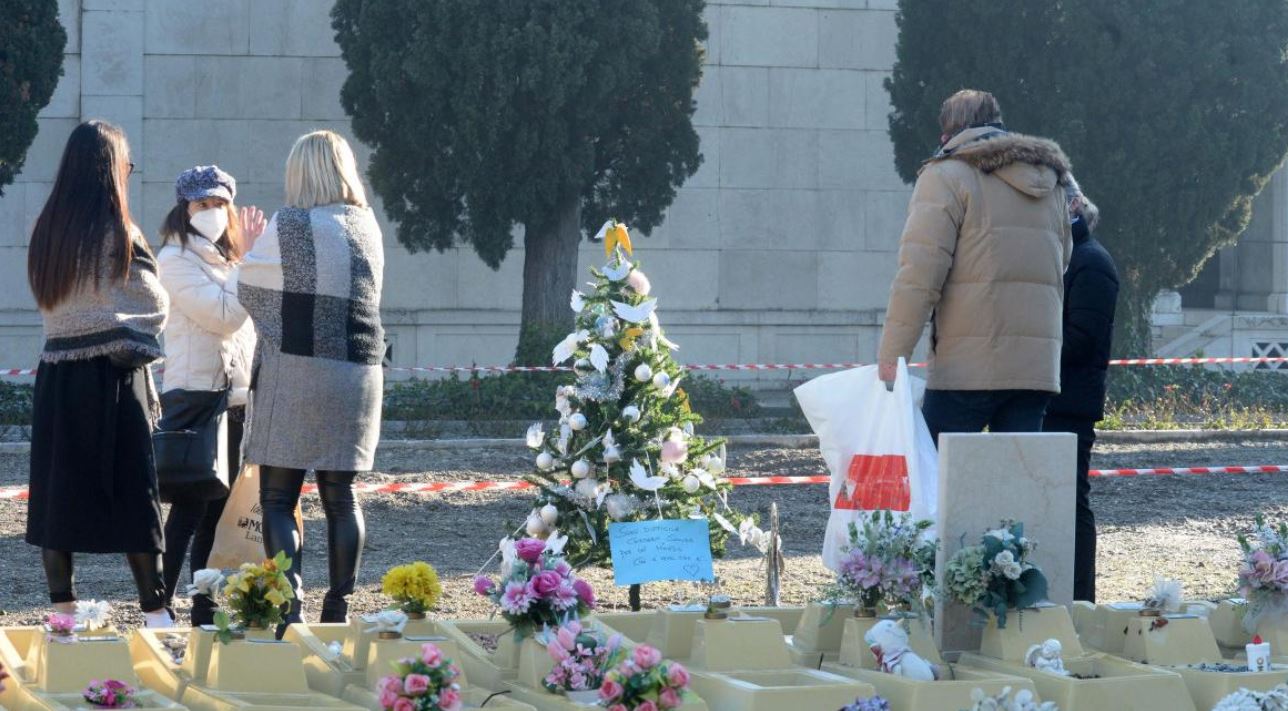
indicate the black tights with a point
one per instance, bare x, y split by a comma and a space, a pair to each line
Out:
146, 567
279, 494
195, 522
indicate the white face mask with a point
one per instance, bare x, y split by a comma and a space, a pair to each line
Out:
211, 223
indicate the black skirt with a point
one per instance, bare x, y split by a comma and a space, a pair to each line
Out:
93, 478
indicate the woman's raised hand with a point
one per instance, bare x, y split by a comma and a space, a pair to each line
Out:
253, 223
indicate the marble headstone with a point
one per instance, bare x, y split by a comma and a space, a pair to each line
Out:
984, 478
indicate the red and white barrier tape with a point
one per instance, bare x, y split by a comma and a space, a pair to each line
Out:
12, 372
448, 487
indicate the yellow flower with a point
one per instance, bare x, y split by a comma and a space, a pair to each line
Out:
275, 598
628, 337
415, 585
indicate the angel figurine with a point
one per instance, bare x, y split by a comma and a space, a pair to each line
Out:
1047, 657
889, 644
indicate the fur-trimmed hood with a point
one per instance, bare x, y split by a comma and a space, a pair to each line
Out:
1032, 165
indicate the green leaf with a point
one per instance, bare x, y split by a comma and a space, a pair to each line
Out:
1034, 588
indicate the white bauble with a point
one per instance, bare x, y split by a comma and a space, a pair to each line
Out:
643, 373
535, 526
631, 414
549, 514
586, 488
661, 380
691, 484
581, 469
716, 466
544, 461
577, 421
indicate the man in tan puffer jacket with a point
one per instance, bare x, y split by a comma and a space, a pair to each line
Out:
982, 257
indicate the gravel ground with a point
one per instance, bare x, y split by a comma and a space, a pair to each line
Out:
1178, 526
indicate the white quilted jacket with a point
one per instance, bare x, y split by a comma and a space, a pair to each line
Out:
209, 340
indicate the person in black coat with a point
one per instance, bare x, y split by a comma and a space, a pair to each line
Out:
1090, 295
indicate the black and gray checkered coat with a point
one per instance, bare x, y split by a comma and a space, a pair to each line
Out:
311, 284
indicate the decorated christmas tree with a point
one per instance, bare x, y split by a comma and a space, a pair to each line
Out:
625, 447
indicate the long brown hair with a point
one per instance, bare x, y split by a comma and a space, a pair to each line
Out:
177, 228
86, 218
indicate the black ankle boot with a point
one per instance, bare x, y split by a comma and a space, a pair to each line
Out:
335, 609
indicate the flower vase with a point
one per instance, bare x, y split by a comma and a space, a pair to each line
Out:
1273, 628
534, 663
415, 615
506, 654
389, 634
589, 697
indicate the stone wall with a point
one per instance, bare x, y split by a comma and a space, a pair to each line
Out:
780, 248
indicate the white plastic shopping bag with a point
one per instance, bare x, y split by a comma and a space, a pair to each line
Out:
876, 445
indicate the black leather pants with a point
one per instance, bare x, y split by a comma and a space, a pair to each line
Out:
146, 568
279, 493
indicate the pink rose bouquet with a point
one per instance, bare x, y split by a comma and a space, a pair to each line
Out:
582, 657
1263, 572
644, 682
537, 590
110, 694
424, 683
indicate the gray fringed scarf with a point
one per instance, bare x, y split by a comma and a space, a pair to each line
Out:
113, 319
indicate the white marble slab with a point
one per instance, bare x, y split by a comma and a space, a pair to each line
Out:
987, 477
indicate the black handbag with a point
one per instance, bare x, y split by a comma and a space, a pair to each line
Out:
186, 446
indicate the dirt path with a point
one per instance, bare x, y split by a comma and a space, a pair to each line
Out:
1178, 526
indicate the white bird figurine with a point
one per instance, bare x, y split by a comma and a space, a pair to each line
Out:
555, 542
618, 271
577, 301
640, 478
565, 348
536, 435
599, 357
889, 644
635, 314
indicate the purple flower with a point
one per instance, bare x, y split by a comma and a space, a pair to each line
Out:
483, 585
530, 549
546, 583
517, 598
565, 596
862, 571
584, 592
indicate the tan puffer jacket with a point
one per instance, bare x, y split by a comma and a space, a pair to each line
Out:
983, 253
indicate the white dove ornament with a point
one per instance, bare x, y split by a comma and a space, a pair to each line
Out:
634, 314
618, 271
640, 478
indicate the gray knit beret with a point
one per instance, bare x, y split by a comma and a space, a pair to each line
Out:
204, 181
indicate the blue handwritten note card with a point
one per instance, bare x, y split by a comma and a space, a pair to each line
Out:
669, 549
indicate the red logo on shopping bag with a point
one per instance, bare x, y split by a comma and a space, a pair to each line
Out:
878, 482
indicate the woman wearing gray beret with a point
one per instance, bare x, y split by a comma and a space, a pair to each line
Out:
208, 347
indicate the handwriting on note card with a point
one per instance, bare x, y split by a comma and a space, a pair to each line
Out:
671, 549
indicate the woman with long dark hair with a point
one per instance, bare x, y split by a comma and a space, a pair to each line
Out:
93, 479
208, 347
